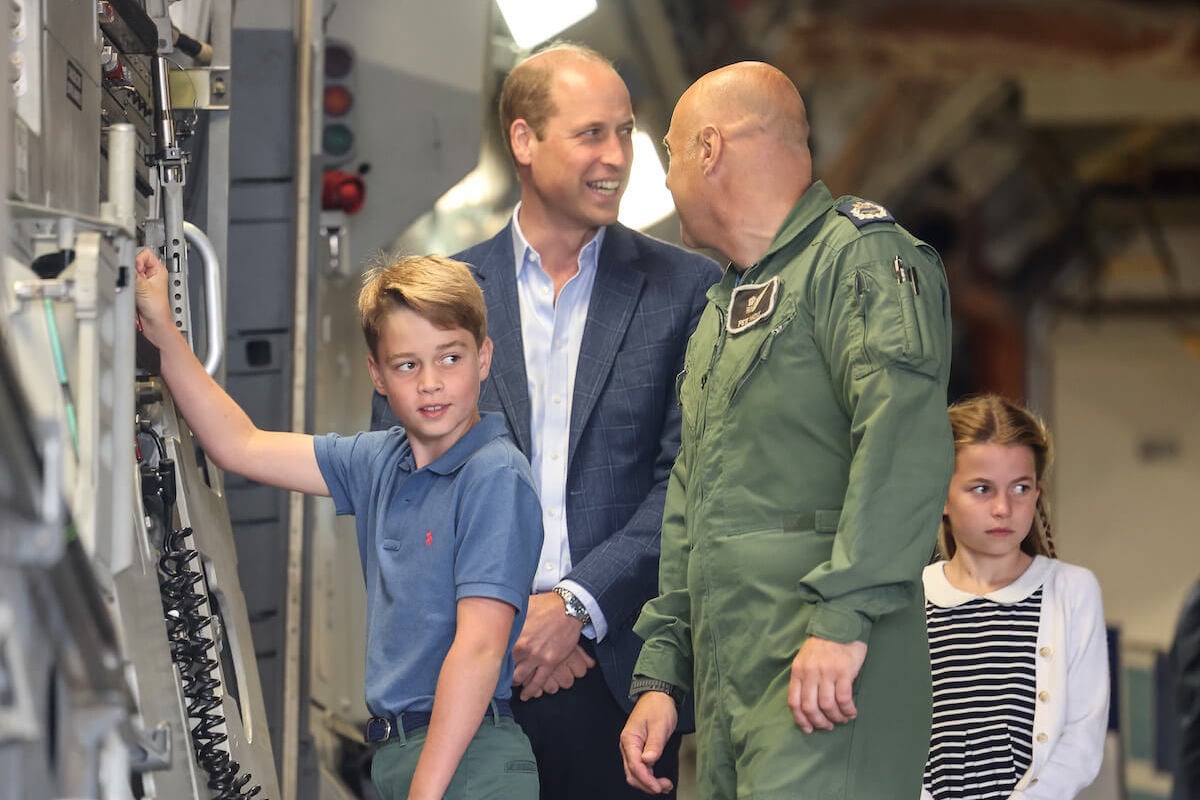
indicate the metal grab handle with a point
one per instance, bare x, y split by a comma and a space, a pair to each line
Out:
212, 295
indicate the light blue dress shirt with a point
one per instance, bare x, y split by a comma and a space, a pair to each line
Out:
552, 333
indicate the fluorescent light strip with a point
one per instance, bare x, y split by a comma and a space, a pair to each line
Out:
532, 22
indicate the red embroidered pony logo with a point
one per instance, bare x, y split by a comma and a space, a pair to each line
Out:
428, 538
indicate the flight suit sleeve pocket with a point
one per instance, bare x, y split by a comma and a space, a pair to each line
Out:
893, 320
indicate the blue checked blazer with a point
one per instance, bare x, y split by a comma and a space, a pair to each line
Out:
625, 417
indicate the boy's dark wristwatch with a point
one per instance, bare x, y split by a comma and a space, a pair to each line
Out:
641, 685
575, 607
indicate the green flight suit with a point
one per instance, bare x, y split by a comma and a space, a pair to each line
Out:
806, 497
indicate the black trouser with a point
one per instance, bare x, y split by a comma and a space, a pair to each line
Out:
575, 736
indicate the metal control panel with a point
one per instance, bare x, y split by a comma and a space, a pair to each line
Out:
127, 667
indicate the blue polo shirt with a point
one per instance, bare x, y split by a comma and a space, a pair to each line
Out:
467, 525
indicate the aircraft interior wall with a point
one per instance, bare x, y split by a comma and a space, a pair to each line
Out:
171, 631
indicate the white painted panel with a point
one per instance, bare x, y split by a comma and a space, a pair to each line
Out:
1126, 417
443, 41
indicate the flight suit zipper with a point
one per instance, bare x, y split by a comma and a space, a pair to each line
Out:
764, 350
702, 409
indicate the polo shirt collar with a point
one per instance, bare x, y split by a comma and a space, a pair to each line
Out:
490, 426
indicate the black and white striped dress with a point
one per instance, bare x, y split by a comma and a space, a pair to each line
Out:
982, 655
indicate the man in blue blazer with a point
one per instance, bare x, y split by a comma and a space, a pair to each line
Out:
589, 321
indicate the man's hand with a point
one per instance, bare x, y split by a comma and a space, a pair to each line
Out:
646, 732
575, 665
547, 642
821, 689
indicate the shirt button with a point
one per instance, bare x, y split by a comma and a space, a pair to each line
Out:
1043, 696
557, 399
1042, 738
552, 512
1045, 652
549, 565
1033, 782
554, 456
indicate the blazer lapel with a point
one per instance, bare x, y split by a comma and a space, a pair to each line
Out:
614, 298
497, 276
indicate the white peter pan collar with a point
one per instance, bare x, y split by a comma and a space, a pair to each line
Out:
940, 592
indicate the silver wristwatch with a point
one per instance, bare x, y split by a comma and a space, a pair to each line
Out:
575, 607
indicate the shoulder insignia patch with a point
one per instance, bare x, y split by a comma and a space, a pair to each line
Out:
864, 212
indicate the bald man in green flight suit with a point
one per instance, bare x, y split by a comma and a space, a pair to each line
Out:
813, 472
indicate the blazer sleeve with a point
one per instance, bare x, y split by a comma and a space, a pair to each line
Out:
1075, 759
621, 573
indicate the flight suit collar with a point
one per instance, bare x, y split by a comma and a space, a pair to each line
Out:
797, 230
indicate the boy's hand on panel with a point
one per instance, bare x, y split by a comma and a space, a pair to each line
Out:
150, 291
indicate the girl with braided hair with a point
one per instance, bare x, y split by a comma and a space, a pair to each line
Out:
1017, 638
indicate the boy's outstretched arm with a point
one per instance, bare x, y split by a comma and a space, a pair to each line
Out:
464, 690
229, 437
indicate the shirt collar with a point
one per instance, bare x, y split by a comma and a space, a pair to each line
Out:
944, 594
490, 426
589, 256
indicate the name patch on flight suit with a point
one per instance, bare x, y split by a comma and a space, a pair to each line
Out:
750, 304
864, 212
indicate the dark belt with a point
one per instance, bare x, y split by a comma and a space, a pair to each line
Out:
380, 729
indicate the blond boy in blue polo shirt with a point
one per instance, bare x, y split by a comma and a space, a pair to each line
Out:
447, 517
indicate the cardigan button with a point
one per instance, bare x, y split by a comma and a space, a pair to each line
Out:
1043, 695
1045, 652
1042, 738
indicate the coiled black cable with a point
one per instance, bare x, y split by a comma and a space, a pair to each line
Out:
189, 643
190, 648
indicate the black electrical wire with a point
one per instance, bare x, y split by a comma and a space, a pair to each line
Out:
187, 627
190, 648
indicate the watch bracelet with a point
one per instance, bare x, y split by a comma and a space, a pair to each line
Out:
641, 685
574, 606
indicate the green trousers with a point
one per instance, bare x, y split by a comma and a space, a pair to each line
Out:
498, 764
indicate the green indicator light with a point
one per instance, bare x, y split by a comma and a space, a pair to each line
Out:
337, 140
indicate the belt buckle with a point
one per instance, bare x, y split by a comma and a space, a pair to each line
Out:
378, 729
